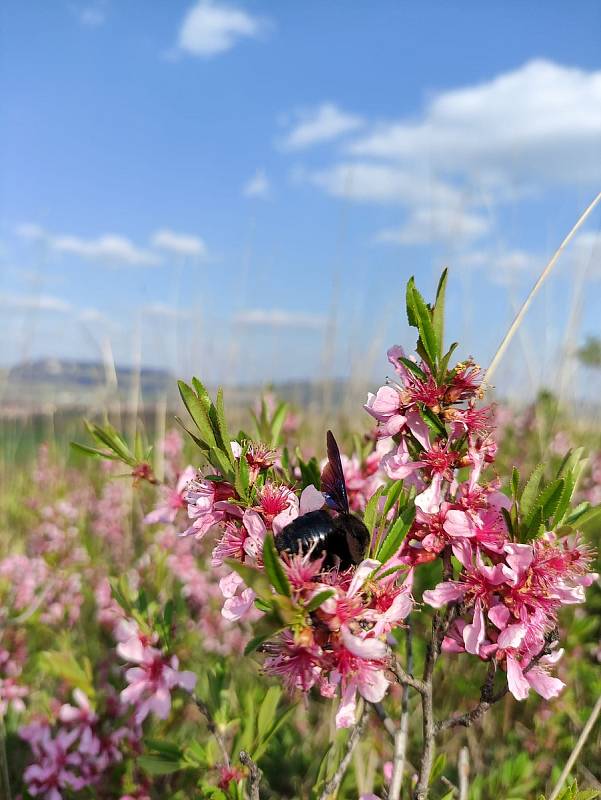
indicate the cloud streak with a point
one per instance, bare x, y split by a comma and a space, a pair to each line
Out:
210, 29
279, 318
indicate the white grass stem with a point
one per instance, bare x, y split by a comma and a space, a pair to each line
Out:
576, 751
534, 291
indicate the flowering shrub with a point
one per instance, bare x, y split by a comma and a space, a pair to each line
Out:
351, 581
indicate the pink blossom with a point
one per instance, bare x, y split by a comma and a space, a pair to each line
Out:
173, 499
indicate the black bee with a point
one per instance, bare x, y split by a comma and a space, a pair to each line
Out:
343, 538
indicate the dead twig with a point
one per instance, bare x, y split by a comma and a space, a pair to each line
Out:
254, 775
333, 784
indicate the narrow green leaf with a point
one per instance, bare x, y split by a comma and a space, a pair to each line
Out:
158, 765
223, 431
411, 313
515, 482
444, 362
318, 599
392, 496
267, 711
412, 367
371, 509
427, 334
434, 422
280, 721
94, 451
438, 310
277, 423
197, 410
531, 490
274, 569
396, 534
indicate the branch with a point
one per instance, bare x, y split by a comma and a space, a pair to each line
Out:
212, 726
404, 677
487, 697
254, 775
332, 785
401, 737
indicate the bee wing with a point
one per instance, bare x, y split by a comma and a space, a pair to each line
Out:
333, 484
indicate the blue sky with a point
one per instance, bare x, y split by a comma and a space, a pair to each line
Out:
242, 190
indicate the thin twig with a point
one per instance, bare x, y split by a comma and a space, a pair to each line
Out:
464, 773
576, 751
332, 785
212, 726
387, 722
4, 776
401, 737
541, 279
254, 775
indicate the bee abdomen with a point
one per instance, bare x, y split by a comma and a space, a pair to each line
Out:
309, 532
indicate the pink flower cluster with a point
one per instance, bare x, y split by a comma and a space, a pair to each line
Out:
73, 756
344, 648
154, 676
509, 593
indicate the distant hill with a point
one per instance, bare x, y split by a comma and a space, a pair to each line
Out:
51, 384
40, 384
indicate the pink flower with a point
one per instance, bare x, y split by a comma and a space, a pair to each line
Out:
172, 500
208, 505
385, 406
151, 682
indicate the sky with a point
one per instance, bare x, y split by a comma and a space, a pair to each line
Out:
241, 190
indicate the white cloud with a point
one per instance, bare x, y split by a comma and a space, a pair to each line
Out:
109, 247
539, 122
445, 223
368, 182
322, 124
91, 315
34, 302
258, 186
92, 16
178, 243
163, 310
211, 28
278, 318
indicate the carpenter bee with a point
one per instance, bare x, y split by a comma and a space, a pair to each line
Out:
343, 538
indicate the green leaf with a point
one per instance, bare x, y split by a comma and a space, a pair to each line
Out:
396, 534
531, 490
444, 361
434, 422
267, 711
392, 496
438, 310
223, 431
549, 498
64, 665
158, 765
412, 367
422, 319
164, 748
318, 599
198, 411
515, 482
274, 569
282, 719
277, 423
94, 451
371, 509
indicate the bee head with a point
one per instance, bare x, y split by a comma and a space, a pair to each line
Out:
357, 537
